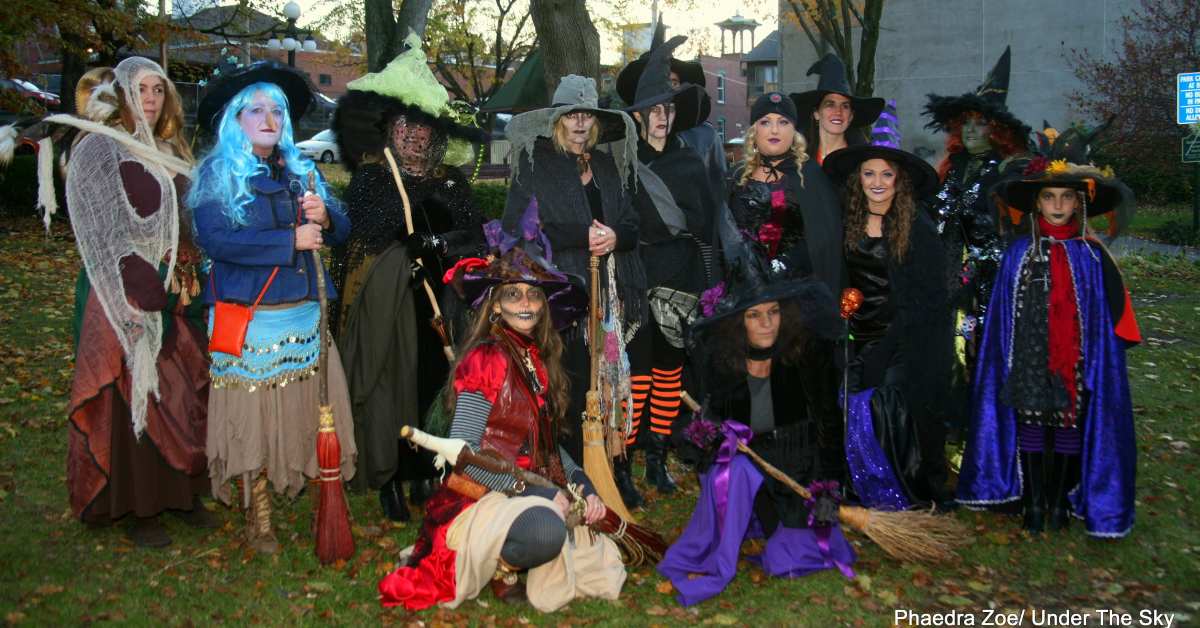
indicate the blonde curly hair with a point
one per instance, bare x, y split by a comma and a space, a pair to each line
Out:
754, 160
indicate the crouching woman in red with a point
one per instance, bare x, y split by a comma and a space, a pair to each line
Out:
509, 394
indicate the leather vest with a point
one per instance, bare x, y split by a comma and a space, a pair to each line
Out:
516, 418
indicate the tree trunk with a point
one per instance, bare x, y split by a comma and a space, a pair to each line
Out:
570, 43
73, 67
868, 42
386, 30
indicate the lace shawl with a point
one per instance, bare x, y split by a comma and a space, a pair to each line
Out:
107, 229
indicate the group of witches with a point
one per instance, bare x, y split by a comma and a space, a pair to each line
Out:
974, 298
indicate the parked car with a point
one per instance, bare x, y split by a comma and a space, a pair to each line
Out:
49, 99
321, 147
16, 101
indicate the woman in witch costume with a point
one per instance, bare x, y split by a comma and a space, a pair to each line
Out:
258, 225
1053, 418
508, 394
985, 143
139, 396
394, 357
767, 345
582, 200
833, 117
676, 208
782, 202
900, 347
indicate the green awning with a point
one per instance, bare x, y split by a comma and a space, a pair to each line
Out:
525, 91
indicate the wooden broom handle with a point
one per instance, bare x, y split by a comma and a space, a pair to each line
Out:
408, 227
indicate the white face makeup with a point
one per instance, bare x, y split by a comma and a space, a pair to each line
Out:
1057, 205
520, 305
834, 114
262, 122
773, 135
762, 324
878, 179
661, 119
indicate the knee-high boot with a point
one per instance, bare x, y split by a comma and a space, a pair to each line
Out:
656, 464
1062, 477
623, 475
1033, 496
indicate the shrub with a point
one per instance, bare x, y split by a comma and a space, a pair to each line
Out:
489, 198
19, 185
1178, 232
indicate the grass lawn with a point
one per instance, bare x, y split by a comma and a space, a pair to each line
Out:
56, 571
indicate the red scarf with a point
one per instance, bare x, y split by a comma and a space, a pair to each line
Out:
1064, 313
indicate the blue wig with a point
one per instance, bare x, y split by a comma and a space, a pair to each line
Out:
223, 176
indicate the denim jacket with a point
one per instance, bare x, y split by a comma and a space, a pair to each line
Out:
243, 256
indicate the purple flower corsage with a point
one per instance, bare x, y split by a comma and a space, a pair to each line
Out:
710, 298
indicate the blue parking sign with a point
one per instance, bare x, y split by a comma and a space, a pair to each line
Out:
1187, 97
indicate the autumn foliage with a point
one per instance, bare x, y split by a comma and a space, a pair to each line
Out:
1136, 87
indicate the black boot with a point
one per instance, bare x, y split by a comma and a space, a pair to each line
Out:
624, 478
1062, 477
420, 490
391, 497
656, 464
1033, 496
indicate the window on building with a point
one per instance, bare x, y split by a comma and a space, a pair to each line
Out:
326, 79
721, 129
770, 78
721, 87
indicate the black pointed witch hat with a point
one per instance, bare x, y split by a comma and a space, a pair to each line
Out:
654, 87
688, 71
750, 282
989, 99
832, 73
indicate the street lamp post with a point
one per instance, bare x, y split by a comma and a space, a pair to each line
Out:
291, 42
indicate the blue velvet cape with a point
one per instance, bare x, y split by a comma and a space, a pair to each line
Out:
990, 472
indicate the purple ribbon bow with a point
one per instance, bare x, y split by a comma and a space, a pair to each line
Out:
735, 433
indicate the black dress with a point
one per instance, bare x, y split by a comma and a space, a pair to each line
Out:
806, 441
441, 205
811, 222
903, 349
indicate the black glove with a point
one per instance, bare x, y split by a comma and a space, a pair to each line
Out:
423, 244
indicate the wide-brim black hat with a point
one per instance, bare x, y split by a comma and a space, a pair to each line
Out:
654, 88
687, 71
988, 99
840, 164
296, 87
749, 283
566, 295
361, 120
1101, 191
832, 80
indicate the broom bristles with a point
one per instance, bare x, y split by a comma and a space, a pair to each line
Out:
334, 541
638, 545
908, 535
598, 467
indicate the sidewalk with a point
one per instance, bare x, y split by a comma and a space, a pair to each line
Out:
1126, 245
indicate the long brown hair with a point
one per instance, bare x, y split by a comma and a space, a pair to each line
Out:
730, 345
897, 224
550, 347
169, 127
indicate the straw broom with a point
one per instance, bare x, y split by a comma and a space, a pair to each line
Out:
596, 462
907, 535
334, 541
638, 545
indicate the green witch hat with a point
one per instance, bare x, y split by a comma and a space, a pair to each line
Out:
406, 87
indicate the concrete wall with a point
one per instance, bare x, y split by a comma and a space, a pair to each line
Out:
947, 47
